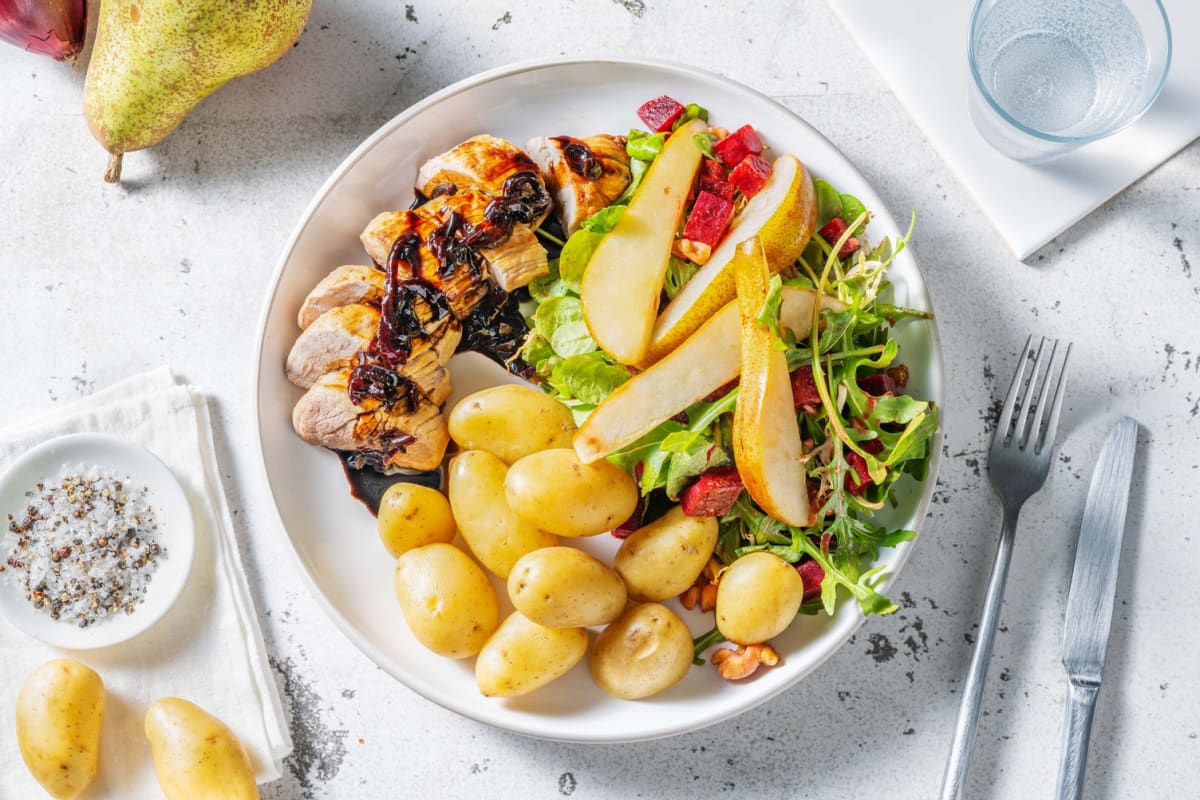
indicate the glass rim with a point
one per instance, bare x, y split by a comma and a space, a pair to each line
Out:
1050, 137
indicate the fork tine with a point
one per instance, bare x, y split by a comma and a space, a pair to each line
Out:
1020, 432
1047, 438
1004, 422
1035, 426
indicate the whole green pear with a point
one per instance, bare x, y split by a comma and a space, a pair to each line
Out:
154, 60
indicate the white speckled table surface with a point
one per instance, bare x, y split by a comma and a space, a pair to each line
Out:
100, 282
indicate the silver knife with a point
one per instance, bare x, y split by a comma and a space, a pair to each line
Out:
1090, 602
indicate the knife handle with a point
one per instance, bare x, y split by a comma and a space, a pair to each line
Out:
1081, 703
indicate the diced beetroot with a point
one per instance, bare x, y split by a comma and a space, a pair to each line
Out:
722, 189
713, 493
660, 113
832, 231
859, 465
877, 385
804, 390
750, 176
739, 145
712, 169
812, 575
635, 519
708, 220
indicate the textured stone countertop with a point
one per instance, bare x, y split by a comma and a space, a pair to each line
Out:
100, 282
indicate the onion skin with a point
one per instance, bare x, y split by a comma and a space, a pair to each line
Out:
53, 28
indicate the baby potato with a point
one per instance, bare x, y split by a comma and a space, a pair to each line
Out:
59, 710
646, 651
412, 515
561, 587
664, 558
196, 756
556, 492
757, 598
495, 534
522, 656
510, 422
447, 600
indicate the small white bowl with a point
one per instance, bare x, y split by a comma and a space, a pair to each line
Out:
176, 533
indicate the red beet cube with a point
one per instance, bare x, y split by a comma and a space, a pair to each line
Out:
877, 385
635, 519
750, 176
832, 231
812, 575
804, 390
660, 113
859, 465
708, 220
737, 146
712, 169
713, 493
722, 189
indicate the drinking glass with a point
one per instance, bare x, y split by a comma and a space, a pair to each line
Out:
1051, 75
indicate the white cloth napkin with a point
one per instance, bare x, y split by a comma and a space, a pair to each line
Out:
208, 648
920, 49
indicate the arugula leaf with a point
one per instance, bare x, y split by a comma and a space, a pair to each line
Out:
829, 202
559, 320
679, 272
704, 141
587, 377
576, 254
644, 146
690, 112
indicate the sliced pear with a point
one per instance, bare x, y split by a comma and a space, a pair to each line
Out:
766, 436
624, 277
710, 358
782, 216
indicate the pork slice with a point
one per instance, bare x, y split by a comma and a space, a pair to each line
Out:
415, 439
342, 287
330, 342
580, 195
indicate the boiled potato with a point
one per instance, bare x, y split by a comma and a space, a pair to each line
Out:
196, 756
447, 600
556, 492
664, 558
646, 651
59, 710
510, 422
412, 515
561, 587
496, 535
757, 598
522, 656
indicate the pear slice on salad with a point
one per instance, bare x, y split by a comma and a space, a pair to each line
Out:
782, 215
710, 358
624, 277
766, 435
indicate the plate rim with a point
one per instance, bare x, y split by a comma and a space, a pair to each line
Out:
367, 648
171, 484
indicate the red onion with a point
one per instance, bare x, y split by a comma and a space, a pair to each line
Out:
51, 27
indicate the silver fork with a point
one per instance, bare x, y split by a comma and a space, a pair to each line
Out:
1018, 462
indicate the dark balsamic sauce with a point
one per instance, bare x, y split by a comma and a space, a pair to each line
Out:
367, 485
580, 158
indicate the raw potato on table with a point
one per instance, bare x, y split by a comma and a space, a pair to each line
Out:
196, 756
59, 710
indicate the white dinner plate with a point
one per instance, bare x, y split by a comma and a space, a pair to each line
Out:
135, 465
334, 537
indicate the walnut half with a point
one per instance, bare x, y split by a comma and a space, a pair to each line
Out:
734, 665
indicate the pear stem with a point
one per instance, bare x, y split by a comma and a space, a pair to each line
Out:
113, 173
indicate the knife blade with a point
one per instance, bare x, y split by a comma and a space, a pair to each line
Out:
1097, 554
1090, 600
